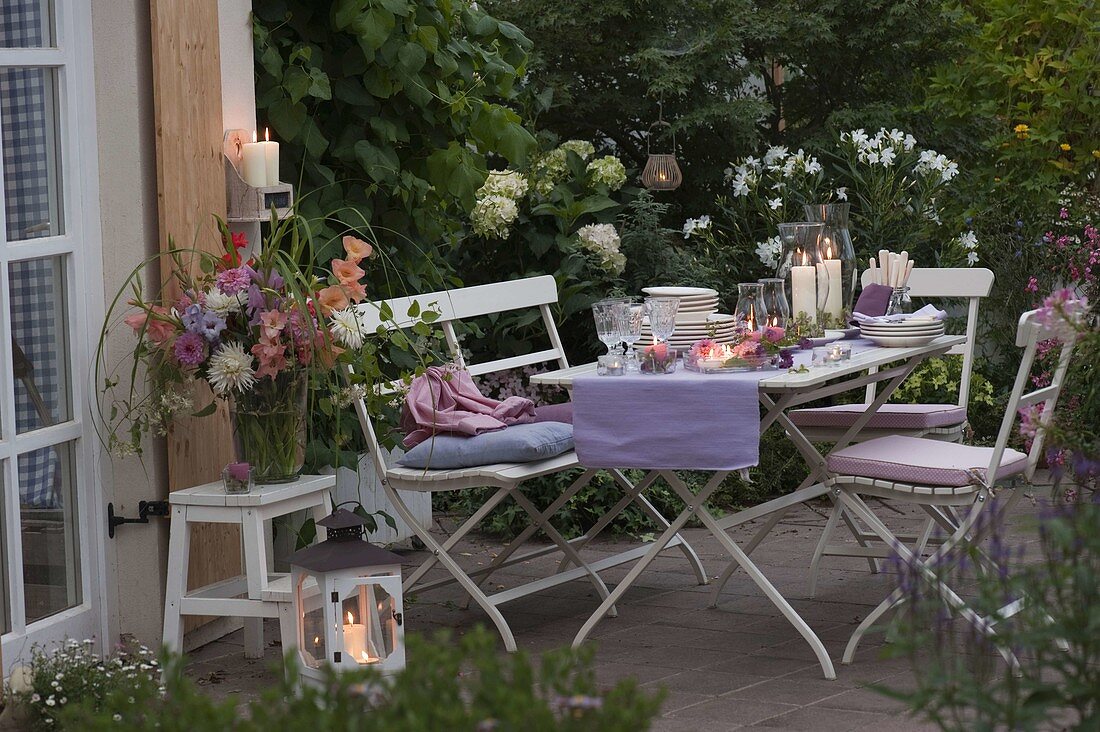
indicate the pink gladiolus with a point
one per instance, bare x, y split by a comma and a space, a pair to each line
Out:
273, 323
357, 249
347, 271
159, 330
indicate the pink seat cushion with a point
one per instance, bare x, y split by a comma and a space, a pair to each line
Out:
555, 413
888, 417
919, 461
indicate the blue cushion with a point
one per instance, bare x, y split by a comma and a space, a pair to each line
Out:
519, 443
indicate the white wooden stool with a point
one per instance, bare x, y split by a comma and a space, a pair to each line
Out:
258, 593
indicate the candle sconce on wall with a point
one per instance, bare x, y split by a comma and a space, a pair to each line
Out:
251, 179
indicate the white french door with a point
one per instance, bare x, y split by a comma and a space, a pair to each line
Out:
51, 532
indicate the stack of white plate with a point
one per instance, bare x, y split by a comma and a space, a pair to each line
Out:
902, 333
697, 315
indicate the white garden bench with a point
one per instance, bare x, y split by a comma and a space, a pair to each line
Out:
473, 302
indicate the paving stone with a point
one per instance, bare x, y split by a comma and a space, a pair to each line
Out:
728, 713
824, 720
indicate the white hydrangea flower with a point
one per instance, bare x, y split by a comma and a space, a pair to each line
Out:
493, 215
582, 148
347, 328
608, 170
603, 241
768, 252
231, 368
221, 304
507, 183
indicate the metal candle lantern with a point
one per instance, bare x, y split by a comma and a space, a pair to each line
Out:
347, 602
661, 172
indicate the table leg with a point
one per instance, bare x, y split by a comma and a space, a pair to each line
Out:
179, 548
658, 546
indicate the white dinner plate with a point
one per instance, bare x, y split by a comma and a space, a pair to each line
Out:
901, 341
666, 291
906, 332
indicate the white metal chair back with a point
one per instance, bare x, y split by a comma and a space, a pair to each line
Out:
1028, 335
950, 282
453, 306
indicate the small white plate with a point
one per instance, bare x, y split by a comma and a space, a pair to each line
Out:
901, 341
666, 291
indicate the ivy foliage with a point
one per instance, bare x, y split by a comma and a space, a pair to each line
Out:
387, 110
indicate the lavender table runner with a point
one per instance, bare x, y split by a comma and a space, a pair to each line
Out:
682, 421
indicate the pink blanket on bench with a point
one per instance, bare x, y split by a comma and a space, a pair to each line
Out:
445, 400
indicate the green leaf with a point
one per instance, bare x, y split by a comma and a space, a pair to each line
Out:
346, 11
373, 28
287, 118
206, 411
297, 83
412, 57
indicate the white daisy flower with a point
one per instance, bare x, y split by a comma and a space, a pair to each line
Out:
230, 368
347, 328
775, 203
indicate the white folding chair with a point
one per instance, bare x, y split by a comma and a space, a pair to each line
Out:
941, 477
471, 302
935, 421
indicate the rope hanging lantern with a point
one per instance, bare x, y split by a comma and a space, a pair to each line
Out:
661, 172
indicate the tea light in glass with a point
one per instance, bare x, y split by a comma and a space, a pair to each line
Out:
238, 478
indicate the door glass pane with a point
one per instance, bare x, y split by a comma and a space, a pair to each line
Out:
28, 116
51, 563
40, 348
26, 23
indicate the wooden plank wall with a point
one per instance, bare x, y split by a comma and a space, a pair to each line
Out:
190, 188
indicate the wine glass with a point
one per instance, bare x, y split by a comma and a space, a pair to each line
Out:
632, 314
608, 322
662, 316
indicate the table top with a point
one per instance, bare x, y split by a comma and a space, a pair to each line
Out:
786, 381
263, 494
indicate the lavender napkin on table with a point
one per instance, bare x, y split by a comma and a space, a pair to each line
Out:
874, 300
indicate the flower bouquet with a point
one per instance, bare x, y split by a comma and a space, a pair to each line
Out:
750, 350
254, 331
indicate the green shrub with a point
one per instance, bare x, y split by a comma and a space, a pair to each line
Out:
468, 684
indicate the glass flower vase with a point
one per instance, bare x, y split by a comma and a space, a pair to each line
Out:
839, 258
269, 426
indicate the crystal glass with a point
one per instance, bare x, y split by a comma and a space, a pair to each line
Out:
900, 304
606, 315
839, 258
805, 277
775, 302
750, 311
662, 316
632, 314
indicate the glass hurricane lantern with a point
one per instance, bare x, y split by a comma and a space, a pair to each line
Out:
805, 278
839, 258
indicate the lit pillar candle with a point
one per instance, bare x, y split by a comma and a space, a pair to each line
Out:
804, 289
834, 300
271, 157
254, 166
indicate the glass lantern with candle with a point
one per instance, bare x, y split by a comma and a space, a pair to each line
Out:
775, 302
804, 276
750, 311
839, 258
347, 602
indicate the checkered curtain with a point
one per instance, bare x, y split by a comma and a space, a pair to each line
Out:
35, 288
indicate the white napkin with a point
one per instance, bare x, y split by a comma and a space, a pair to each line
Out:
928, 312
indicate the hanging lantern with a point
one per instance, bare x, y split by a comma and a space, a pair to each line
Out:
661, 172
347, 602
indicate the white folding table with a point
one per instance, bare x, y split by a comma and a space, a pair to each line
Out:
778, 393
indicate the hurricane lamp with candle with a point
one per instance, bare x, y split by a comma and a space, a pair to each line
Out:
347, 602
805, 277
839, 257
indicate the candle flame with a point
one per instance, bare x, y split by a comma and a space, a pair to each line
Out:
267, 134
316, 639
351, 618
805, 259
828, 250
253, 135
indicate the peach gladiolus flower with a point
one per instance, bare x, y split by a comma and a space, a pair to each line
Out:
157, 329
357, 249
356, 291
347, 271
333, 298
273, 323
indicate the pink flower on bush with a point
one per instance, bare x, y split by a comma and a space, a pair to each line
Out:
190, 349
1062, 314
1032, 285
234, 281
273, 322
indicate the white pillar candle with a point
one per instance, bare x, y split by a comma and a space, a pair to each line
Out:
355, 639
834, 300
271, 156
254, 166
804, 292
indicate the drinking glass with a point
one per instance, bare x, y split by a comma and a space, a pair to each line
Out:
608, 320
662, 316
632, 314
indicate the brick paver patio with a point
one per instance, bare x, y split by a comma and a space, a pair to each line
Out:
737, 666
